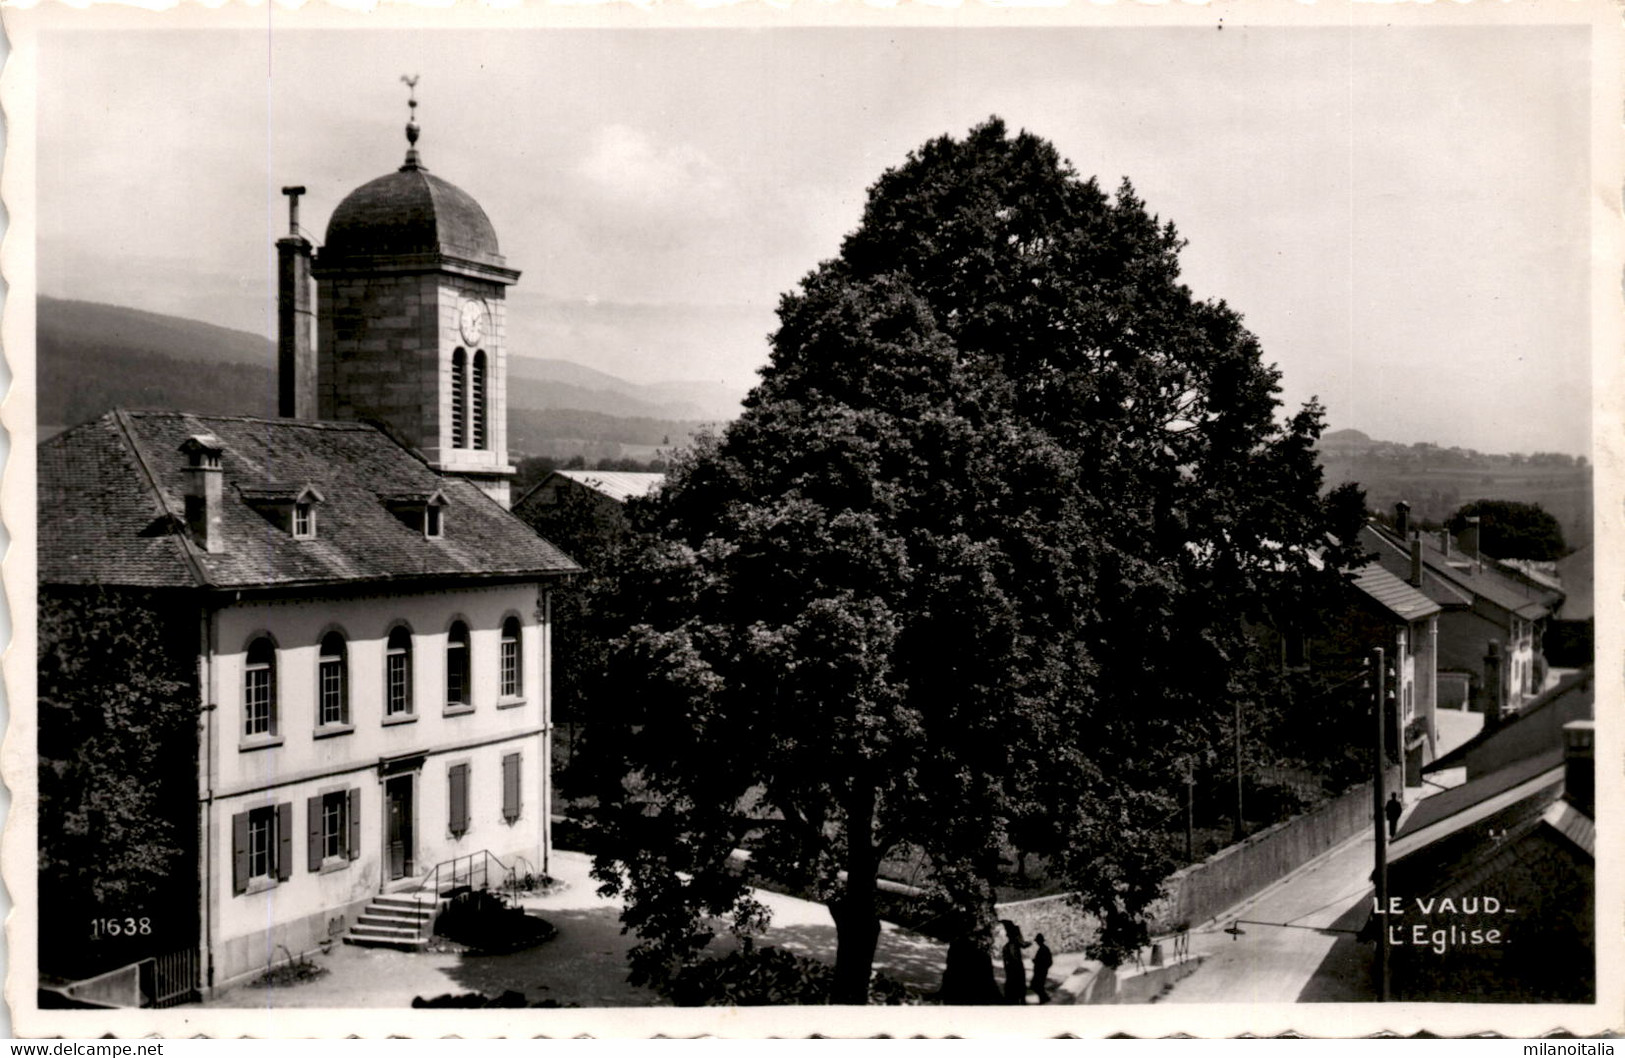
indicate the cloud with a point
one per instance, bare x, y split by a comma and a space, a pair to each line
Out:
628, 167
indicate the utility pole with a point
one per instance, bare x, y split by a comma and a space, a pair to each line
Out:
1241, 825
1190, 811
1379, 799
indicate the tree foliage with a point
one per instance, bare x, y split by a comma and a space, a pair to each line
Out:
974, 561
1511, 529
117, 775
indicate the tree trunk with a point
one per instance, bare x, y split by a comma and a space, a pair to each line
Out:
857, 923
968, 979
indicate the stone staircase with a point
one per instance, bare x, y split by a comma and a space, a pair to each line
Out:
400, 922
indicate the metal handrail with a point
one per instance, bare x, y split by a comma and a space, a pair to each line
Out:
507, 876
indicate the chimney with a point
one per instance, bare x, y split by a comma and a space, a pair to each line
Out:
1402, 519
1416, 560
1494, 684
1469, 541
1579, 767
295, 320
1444, 541
204, 491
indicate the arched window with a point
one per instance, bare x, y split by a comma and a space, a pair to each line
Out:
459, 398
259, 688
512, 673
332, 682
477, 409
457, 671
398, 673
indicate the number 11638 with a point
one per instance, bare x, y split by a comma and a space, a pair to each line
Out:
120, 927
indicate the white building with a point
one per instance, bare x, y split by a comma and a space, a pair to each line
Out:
370, 622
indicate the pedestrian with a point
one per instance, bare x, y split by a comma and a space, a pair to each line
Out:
1015, 970
1042, 961
1393, 809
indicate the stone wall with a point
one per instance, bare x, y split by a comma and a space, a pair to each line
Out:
1201, 891
1204, 890
1064, 926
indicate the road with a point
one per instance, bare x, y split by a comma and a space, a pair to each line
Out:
1294, 941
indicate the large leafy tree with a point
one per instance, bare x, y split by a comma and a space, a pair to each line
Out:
974, 562
117, 748
1511, 529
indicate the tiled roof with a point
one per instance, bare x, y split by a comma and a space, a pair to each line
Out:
1573, 824
619, 486
112, 508
1574, 694
1577, 575
1461, 805
1456, 576
1399, 598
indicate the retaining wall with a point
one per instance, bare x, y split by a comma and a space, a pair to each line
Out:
1203, 890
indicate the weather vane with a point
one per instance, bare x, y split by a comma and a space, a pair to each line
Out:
411, 83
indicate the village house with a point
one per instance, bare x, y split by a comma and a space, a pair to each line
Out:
1491, 882
602, 487
1491, 622
368, 624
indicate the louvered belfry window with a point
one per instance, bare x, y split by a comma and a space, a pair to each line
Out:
459, 398
477, 409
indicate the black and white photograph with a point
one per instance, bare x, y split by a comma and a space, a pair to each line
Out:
772, 521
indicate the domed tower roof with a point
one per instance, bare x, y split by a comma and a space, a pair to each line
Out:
411, 220
410, 213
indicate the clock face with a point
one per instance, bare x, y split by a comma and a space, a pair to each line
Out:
472, 320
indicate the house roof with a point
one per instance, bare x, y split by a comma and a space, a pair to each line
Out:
1568, 691
112, 508
1393, 594
1445, 813
1573, 824
1456, 578
618, 485
1576, 571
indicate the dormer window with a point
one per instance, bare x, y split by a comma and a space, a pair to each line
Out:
423, 511
291, 508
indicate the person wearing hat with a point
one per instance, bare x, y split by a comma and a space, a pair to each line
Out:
1042, 961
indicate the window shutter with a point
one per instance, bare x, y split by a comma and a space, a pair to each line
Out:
284, 841
313, 832
459, 799
510, 787
239, 853
352, 811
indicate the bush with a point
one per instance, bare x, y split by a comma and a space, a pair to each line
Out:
480, 921
755, 977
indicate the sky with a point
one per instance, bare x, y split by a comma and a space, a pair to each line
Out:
1399, 213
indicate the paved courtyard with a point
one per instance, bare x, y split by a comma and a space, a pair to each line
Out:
584, 965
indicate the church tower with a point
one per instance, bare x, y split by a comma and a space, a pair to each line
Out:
411, 322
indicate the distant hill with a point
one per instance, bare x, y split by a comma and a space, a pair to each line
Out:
551, 383
92, 357
1435, 480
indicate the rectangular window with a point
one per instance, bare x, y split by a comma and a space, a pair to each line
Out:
510, 667
510, 787
431, 521
458, 774
332, 681
257, 707
335, 828
304, 524
261, 843
261, 846
399, 684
